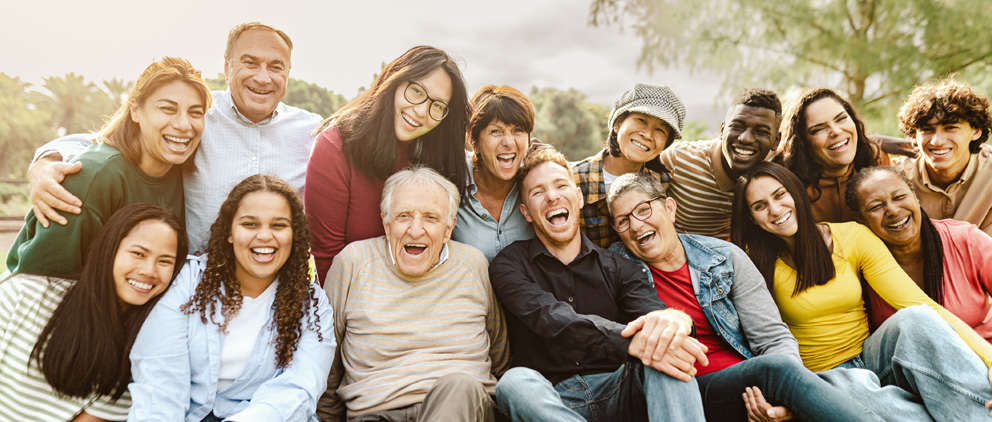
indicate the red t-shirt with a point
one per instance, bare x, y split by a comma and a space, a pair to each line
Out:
675, 289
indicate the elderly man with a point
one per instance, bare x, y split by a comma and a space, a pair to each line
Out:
421, 334
248, 131
703, 173
716, 283
948, 121
590, 335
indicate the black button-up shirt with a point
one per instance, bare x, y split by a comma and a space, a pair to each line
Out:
566, 319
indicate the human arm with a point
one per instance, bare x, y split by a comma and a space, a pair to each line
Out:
326, 199
759, 410
46, 173
894, 145
759, 316
330, 407
292, 394
883, 273
160, 366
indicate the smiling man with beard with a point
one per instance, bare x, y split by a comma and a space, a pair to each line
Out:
703, 173
421, 334
591, 338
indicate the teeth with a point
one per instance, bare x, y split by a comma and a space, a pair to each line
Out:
783, 219
839, 144
177, 140
556, 212
640, 145
410, 121
899, 223
940, 151
263, 250
140, 285
641, 237
744, 152
257, 91
416, 245
506, 156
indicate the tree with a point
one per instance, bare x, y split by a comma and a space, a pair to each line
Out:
565, 120
23, 127
873, 51
118, 90
76, 105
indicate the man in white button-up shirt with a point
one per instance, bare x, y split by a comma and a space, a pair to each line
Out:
248, 131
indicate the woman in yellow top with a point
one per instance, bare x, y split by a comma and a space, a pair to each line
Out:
814, 271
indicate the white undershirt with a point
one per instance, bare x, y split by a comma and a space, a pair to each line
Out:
608, 179
242, 332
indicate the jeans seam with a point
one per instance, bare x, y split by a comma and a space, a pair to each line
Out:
936, 376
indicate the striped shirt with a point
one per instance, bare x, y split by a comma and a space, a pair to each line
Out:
703, 208
26, 304
398, 334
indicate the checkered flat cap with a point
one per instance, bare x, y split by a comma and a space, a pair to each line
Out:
657, 101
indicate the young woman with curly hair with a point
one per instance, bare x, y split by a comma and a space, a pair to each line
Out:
64, 341
813, 271
948, 122
244, 334
823, 143
415, 112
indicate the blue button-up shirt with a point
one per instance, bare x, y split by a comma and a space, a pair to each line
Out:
476, 227
175, 362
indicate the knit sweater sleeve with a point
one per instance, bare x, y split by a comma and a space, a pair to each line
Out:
330, 407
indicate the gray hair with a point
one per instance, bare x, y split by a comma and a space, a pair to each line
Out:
422, 179
641, 181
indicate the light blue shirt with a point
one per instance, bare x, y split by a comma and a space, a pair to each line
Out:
476, 227
176, 358
231, 149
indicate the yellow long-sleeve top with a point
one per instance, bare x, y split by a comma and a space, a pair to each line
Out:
830, 322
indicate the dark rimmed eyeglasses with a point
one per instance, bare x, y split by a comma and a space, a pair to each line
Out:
416, 94
642, 211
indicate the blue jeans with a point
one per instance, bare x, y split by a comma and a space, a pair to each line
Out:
783, 381
919, 352
631, 393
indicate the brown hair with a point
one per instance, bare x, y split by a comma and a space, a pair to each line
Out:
946, 101
294, 296
122, 132
538, 155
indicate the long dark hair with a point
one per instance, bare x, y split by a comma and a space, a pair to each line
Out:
369, 134
814, 266
794, 151
294, 297
932, 245
83, 349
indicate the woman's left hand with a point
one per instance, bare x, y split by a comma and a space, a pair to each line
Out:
759, 410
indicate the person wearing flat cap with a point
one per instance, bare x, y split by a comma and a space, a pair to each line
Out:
644, 121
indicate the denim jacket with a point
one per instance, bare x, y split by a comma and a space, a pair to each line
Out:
733, 296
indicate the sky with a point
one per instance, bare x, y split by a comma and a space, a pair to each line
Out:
340, 44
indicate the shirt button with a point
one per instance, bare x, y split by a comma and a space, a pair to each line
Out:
571, 299
577, 364
254, 158
719, 290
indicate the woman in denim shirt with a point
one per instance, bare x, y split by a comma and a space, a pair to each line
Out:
243, 334
716, 283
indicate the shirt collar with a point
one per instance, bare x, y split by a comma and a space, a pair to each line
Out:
234, 108
966, 175
537, 248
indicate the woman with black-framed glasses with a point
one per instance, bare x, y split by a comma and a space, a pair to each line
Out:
415, 112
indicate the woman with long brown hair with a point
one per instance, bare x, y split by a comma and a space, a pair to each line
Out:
64, 341
244, 333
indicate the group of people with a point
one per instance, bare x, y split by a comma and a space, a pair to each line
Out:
462, 271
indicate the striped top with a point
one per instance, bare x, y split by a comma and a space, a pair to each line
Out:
26, 304
703, 208
397, 334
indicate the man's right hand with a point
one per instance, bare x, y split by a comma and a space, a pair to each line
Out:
45, 178
678, 363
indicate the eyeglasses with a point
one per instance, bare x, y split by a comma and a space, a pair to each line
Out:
642, 211
416, 94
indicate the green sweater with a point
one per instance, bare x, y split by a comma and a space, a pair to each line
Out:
106, 183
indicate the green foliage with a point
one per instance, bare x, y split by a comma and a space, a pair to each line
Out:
218, 83
695, 130
565, 120
76, 106
313, 98
14, 199
23, 126
873, 51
